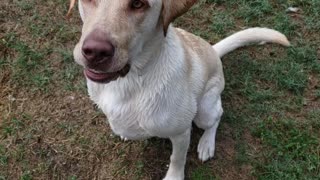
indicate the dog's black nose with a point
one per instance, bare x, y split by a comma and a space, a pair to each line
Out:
97, 48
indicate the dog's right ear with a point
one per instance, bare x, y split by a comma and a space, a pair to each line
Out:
72, 3
171, 9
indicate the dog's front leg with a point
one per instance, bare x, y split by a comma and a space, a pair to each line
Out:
180, 145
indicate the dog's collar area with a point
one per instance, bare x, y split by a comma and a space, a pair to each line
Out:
124, 71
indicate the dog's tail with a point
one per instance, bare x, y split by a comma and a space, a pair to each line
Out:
247, 37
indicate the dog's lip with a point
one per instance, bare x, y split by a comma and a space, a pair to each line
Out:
101, 77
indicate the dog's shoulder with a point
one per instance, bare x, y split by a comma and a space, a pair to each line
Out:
200, 51
190, 40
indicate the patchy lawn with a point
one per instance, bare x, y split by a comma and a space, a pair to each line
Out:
49, 129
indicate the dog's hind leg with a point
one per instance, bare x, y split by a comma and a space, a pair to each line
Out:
208, 118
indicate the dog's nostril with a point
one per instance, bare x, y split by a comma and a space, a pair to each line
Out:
104, 54
87, 51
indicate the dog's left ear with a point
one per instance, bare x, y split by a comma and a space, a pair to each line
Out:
171, 9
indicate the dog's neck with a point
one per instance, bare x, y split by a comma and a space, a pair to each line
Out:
155, 48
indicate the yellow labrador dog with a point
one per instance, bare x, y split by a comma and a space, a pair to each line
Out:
152, 79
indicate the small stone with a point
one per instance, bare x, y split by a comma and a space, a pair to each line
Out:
293, 9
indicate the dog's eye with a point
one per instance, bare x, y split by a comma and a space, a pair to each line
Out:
137, 4
88, 1
91, 2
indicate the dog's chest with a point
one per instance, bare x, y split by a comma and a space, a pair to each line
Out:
124, 115
124, 119
142, 113
124, 107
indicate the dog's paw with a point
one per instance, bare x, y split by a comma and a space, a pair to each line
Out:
206, 147
175, 174
174, 178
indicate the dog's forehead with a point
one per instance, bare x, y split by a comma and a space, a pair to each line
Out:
151, 2
112, 2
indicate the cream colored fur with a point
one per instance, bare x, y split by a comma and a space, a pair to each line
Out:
174, 80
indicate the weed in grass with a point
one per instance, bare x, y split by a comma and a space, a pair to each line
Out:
3, 62
202, 173
25, 5
285, 73
242, 155
29, 68
19, 153
3, 156
26, 176
12, 127
314, 117
65, 33
293, 153
313, 9
84, 142
318, 93
284, 24
253, 10
262, 95
290, 75
67, 128
73, 177
3, 160
71, 70
219, 2
139, 169
306, 56
222, 23
36, 29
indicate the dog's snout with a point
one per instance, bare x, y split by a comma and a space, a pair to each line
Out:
97, 47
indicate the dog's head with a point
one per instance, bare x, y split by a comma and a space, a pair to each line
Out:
115, 31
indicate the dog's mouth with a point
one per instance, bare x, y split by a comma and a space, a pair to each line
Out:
106, 77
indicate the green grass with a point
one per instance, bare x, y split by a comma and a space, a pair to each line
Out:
293, 150
32, 61
13, 127
28, 68
3, 156
273, 84
70, 71
72, 178
265, 87
221, 23
26, 176
202, 173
